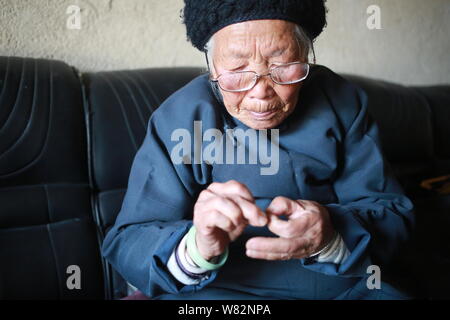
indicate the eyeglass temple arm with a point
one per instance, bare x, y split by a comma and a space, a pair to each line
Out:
209, 69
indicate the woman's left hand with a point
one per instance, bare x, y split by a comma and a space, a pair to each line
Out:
307, 230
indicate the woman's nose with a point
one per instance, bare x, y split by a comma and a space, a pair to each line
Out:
263, 88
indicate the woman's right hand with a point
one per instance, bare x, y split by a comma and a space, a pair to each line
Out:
221, 213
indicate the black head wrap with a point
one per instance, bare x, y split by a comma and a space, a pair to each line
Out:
203, 18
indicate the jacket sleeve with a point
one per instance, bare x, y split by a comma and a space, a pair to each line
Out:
156, 211
372, 214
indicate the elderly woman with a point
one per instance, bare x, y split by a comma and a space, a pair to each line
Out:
309, 229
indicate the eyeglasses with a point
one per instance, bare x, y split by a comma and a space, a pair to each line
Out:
239, 81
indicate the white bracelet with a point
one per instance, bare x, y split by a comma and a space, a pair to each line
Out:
186, 261
335, 245
178, 273
327, 247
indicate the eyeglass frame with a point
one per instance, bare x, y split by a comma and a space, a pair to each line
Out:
258, 76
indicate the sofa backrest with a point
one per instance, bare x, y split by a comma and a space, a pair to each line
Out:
46, 223
414, 126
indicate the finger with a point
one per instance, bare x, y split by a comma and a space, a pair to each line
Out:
227, 207
214, 219
205, 195
267, 255
273, 245
240, 194
277, 248
282, 206
254, 215
236, 233
289, 228
301, 253
231, 187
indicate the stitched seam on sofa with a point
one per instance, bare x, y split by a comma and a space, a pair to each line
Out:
24, 228
152, 92
87, 111
144, 97
18, 93
132, 95
5, 80
55, 258
127, 122
37, 186
49, 214
44, 147
32, 115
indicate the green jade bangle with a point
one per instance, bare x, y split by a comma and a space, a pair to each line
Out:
196, 256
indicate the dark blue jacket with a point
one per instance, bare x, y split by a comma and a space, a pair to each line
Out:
329, 152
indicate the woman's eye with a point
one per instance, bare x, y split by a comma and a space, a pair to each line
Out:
235, 69
278, 64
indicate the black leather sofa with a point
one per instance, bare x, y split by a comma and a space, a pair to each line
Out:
67, 141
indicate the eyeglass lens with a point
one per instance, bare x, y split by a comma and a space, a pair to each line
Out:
245, 80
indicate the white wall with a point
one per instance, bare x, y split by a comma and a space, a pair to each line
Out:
413, 46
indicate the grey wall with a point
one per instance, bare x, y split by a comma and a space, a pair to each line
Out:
412, 47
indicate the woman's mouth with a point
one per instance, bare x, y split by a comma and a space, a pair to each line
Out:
263, 115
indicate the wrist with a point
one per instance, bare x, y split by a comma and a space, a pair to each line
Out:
196, 256
326, 247
205, 255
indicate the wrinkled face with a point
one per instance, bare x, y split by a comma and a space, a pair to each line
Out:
257, 46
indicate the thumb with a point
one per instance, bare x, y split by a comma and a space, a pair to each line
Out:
281, 206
